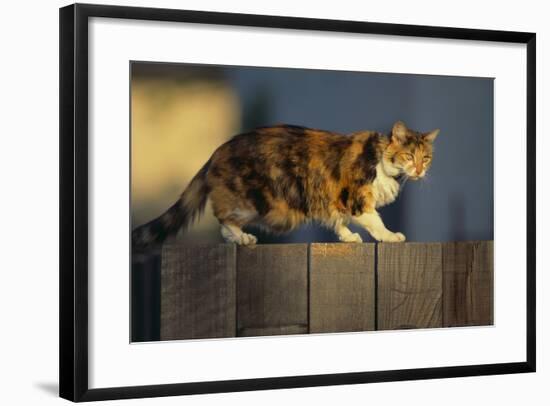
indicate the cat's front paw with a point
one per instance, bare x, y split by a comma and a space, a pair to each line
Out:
393, 237
400, 237
351, 237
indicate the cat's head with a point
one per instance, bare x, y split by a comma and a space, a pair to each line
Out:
410, 152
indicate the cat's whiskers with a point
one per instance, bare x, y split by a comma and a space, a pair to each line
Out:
425, 182
403, 180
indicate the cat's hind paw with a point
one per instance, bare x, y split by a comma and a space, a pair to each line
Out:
247, 239
234, 234
351, 237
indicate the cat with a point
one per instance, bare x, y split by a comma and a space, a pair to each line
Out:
283, 176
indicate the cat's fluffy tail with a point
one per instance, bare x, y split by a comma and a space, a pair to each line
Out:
181, 214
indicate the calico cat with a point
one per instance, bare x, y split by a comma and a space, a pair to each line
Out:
283, 176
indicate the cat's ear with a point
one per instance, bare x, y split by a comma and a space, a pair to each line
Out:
431, 136
399, 132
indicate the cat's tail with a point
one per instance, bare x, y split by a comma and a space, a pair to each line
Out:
180, 215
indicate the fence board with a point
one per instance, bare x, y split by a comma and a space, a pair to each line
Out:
341, 287
468, 283
198, 291
272, 290
409, 285
226, 291
146, 296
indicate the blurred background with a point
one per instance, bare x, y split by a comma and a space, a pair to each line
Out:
181, 113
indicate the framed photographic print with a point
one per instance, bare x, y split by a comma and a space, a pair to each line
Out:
256, 202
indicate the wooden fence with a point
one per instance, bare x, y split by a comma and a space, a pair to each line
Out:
225, 290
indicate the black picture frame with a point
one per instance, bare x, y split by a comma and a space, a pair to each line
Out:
73, 253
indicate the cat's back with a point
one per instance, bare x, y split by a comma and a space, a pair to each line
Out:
279, 143
284, 133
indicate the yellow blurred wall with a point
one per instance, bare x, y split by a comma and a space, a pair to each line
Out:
175, 127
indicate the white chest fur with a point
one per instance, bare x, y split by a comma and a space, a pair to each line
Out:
385, 188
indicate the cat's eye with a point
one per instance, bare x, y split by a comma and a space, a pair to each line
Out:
426, 159
409, 157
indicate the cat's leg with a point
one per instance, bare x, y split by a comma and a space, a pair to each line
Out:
339, 225
373, 223
231, 227
346, 235
232, 216
234, 234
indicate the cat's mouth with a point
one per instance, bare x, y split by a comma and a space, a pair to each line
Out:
412, 174
415, 177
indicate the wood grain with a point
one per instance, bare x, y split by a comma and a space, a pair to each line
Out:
409, 285
198, 291
468, 283
272, 290
341, 287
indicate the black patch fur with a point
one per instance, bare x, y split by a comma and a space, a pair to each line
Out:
344, 196
259, 201
368, 159
334, 156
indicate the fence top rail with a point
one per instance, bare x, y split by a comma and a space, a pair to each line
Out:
186, 243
